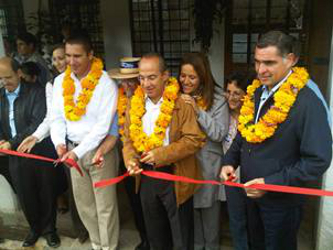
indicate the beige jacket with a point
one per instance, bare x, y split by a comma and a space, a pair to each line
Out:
186, 139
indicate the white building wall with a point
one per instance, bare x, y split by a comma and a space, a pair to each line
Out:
117, 31
325, 222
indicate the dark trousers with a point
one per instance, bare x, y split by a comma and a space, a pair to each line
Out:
168, 226
4, 169
273, 227
135, 203
36, 184
236, 201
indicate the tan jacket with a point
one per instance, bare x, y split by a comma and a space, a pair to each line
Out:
186, 139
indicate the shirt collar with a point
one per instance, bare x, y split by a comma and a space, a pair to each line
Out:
148, 100
15, 92
277, 86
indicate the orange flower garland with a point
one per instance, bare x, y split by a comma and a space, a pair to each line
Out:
284, 99
201, 103
121, 108
74, 112
141, 141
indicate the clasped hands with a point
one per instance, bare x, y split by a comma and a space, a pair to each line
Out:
133, 165
228, 174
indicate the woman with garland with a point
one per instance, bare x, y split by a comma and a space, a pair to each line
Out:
235, 89
203, 94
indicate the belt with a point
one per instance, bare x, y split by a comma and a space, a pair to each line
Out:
75, 144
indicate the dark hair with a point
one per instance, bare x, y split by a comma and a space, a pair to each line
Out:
162, 65
201, 65
242, 80
80, 37
58, 46
14, 64
30, 68
28, 38
284, 43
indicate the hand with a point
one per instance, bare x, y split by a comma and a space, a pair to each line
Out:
133, 168
190, 100
69, 155
228, 173
61, 150
253, 192
2, 141
148, 157
27, 144
98, 159
5, 145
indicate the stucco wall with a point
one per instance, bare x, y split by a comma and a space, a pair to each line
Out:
325, 222
117, 32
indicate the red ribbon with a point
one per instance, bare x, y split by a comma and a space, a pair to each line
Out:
68, 162
266, 187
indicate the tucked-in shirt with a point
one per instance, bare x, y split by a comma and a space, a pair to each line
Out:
92, 128
266, 93
150, 117
11, 97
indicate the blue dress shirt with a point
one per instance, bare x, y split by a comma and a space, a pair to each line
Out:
11, 97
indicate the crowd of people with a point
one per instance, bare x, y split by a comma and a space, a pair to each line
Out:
272, 127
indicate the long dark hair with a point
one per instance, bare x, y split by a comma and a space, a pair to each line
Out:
201, 65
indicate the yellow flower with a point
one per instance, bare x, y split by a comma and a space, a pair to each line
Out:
284, 99
88, 84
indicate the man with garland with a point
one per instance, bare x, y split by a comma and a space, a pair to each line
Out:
84, 103
162, 134
284, 138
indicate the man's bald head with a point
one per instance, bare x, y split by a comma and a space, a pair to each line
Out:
9, 73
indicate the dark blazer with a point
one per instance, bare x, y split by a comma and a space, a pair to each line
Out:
29, 112
300, 150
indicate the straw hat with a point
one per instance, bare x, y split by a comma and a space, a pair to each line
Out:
129, 68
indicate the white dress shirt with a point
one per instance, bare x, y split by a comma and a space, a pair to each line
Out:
92, 128
43, 129
150, 117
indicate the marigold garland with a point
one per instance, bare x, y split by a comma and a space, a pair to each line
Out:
284, 99
141, 141
201, 103
121, 108
75, 112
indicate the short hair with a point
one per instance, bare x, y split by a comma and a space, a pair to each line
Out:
162, 64
200, 63
80, 37
284, 43
28, 38
14, 64
30, 68
241, 79
58, 46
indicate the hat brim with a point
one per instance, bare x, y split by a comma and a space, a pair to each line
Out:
115, 74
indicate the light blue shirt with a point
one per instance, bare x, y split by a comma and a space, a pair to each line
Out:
114, 126
11, 97
268, 93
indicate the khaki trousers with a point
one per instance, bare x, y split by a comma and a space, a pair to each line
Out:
97, 207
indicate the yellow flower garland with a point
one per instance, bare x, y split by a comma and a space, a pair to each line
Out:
74, 112
121, 108
284, 99
141, 141
201, 103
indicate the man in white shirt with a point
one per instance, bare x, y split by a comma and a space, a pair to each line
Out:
84, 103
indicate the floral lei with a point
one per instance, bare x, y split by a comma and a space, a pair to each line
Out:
201, 103
141, 141
74, 112
121, 108
284, 99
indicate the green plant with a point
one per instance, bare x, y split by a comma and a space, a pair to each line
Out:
206, 12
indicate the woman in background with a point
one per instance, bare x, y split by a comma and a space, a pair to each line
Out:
203, 94
235, 89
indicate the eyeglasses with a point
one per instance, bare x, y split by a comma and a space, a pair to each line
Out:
234, 95
149, 78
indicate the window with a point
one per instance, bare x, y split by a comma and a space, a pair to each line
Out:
84, 14
161, 26
250, 18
